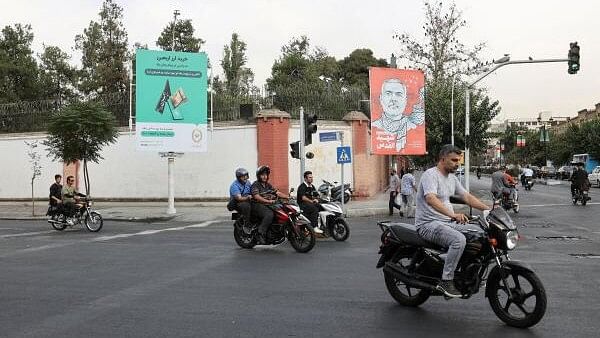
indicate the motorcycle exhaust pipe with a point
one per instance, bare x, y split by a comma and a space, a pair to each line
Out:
406, 279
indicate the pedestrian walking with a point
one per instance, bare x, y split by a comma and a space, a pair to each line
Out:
408, 190
394, 189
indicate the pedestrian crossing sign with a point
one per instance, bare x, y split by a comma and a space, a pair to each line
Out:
344, 155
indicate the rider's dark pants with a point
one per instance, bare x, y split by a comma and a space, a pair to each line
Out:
265, 214
69, 209
244, 208
311, 211
574, 187
392, 204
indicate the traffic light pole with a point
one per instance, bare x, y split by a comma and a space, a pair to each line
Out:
468, 114
302, 154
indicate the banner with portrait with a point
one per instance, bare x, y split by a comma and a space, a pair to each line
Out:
397, 111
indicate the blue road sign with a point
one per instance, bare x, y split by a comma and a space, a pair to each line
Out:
344, 155
328, 136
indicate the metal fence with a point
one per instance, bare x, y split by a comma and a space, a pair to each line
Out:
33, 116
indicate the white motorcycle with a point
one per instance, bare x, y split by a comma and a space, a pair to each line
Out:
331, 220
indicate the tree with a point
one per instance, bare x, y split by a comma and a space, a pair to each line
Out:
57, 76
354, 69
36, 168
79, 132
18, 68
184, 37
104, 53
238, 79
441, 56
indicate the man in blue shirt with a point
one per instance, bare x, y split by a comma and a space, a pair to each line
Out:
239, 194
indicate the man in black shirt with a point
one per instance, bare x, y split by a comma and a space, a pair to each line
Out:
307, 199
263, 196
55, 194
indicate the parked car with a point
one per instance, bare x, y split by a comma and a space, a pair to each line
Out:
594, 177
565, 172
548, 172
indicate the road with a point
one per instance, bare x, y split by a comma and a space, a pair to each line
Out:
180, 279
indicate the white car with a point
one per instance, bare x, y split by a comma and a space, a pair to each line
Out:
594, 177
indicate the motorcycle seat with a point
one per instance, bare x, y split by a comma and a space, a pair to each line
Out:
408, 234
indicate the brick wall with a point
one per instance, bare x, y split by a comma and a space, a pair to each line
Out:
272, 127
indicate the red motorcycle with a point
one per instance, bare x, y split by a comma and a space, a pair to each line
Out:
288, 222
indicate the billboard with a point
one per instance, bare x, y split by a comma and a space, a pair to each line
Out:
397, 111
171, 101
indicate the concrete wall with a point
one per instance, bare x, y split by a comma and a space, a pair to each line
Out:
15, 177
127, 173
324, 165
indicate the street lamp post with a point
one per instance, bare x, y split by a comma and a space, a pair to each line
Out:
175, 15
504, 61
452, 111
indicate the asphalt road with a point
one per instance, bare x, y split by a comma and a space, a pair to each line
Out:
181, 279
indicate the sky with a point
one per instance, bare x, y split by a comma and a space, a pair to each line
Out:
536, 28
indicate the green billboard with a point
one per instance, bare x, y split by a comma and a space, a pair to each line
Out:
171, 101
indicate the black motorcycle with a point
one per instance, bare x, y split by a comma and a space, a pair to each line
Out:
412, 268
581, 195
82, 213
528, 183
503, 199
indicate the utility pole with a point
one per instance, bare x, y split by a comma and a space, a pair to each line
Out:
301, 147
176, 13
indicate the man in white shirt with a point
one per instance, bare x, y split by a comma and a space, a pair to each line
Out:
408, 189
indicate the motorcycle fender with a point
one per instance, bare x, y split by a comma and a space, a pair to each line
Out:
387, 252
509, 265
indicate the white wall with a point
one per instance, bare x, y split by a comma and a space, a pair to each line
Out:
15, 177
324, 165
127, 173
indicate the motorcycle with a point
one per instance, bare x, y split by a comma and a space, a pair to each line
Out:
581, 195
528, 183
331, 220
506, 202
412, 268
83, 214
333, 191
288, 222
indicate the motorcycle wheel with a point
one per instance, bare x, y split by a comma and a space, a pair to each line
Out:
93, 221
243, 240
519, 310
59, 223
305, 241
346, 198
340, 230
584, 200
402, 293
574, 201
516, 208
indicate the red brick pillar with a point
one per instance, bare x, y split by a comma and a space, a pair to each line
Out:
370, 171
272, 127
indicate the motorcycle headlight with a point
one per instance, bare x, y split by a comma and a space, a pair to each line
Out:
512, 237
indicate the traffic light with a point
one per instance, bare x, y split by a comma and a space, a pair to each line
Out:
295, 149
573, 58
310, 127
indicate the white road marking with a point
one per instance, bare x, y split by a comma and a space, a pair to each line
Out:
153, 231
556, 205
23, 234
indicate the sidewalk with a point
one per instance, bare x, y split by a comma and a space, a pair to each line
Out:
149, 212
186, 211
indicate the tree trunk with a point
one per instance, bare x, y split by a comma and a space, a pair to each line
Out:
32, 200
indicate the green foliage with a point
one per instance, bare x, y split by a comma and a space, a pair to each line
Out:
104, 49
184, 37
57, 76
80, 131
238, 79
442, 56
354, 69
18, 68
577, 139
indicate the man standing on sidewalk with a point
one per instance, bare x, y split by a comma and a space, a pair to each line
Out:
394, 190
409, 187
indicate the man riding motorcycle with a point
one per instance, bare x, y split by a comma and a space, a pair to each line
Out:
240, 194
579, 179
503, 183
264, 195
435, 219
526, 175
308, 201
